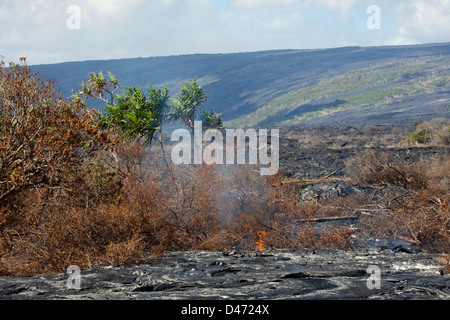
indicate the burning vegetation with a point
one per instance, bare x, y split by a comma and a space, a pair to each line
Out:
73, 192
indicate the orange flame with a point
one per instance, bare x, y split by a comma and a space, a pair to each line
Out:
260, 245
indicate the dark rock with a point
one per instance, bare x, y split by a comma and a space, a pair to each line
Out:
327, 190
154, 288
281, 274
296, 275
396, 249
224, 271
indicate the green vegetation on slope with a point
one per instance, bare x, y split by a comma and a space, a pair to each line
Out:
374, 85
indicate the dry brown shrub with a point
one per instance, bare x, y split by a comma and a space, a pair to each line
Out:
207, 210
84, 223
438, 175
47, 146
283, 220
419, 216
48, 237
41, 133
371, 130
383, 168
336, 238
125, 253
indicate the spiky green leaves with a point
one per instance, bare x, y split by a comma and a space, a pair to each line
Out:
139, 112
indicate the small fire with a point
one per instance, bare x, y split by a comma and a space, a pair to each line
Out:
260, 245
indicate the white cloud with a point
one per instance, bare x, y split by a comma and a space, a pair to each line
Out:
423, 21
132, 28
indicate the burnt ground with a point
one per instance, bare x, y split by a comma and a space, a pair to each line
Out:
315, 151
406, 272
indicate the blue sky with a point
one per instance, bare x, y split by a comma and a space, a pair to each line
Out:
112, 29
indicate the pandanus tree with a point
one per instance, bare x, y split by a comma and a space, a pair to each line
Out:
189, 105
97, 87
138, 112
211, 120
141, 112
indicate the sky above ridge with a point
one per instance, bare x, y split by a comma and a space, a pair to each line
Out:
51, 31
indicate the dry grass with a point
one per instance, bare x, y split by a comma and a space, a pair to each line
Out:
202, 208
208, 208
120, 213
383, 168
419, 212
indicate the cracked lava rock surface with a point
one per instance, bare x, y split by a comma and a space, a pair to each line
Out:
239, 275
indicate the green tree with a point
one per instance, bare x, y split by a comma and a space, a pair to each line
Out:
97, 87
189, 104
211, 120
139, 112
